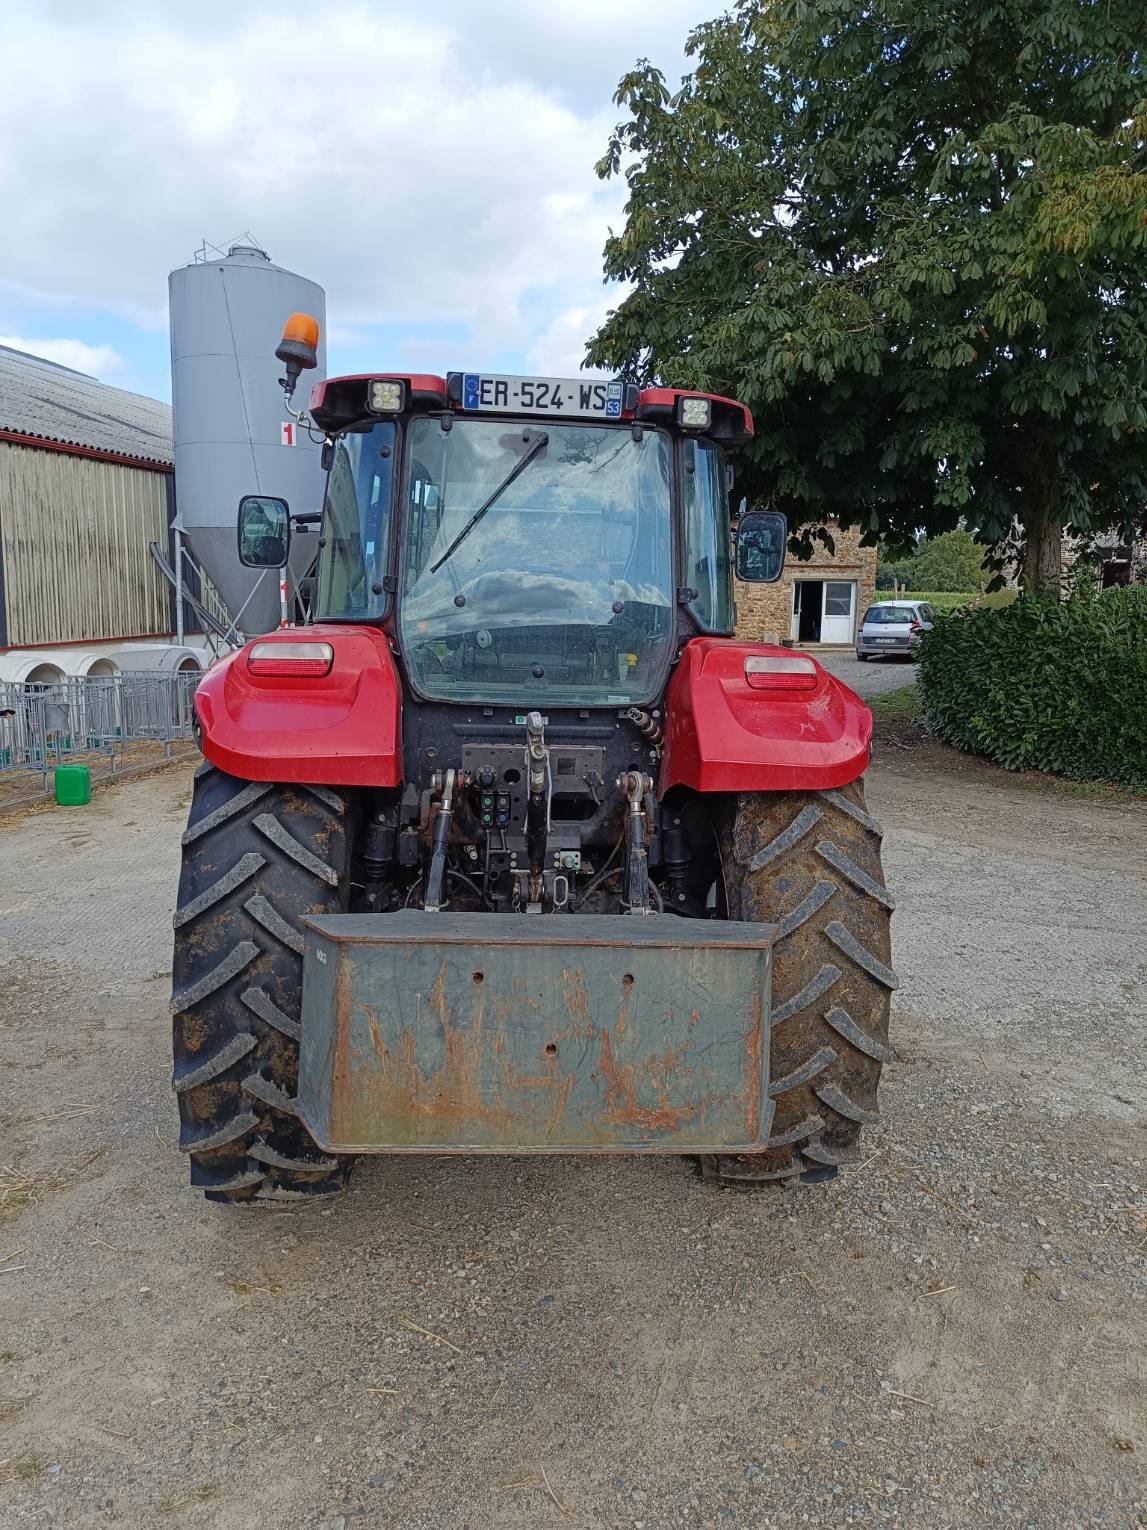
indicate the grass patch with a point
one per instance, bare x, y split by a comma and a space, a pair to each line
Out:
1084, 791
24, 1468
898, 708
173, 1502
20, 1189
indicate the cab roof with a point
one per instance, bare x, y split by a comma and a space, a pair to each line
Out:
338, 403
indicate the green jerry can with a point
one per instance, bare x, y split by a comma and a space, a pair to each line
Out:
73, 785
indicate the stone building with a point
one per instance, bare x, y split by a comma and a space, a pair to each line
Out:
816, 604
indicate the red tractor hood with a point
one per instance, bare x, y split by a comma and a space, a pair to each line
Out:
340, 729
722, 735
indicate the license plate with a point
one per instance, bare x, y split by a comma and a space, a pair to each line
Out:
490, 392
891, 642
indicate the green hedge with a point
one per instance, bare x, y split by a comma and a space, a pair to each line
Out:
1045, 685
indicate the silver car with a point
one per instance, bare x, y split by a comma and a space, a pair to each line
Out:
893, 627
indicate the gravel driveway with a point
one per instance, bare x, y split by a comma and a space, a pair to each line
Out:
872, 677
952, 1335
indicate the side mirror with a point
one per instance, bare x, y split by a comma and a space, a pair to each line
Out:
264, 531
761, 536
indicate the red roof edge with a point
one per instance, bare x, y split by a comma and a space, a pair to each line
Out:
48, 444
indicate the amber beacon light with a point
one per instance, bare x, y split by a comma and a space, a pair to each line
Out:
298, 350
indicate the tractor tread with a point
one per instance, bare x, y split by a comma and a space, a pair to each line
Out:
241, 955
813, 990
265, 913
820, 1152
227, 1056
797, 1133
837, 1100
805, 910
295, 1193
851, 810
238, 804
821, 1059
270, 827
238, 1126
853, 873
844, 1025
745, 1170
264, 1153
266, 1090
804, 823
242, 871
241, 1181
266, 1009
818, 882
327, 797
844, 940
237, 982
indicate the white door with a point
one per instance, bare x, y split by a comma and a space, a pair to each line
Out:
795, 623
836, 624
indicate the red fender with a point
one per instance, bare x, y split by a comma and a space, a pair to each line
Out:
339, 729
722, 735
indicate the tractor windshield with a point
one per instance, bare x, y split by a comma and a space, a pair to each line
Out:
537, 562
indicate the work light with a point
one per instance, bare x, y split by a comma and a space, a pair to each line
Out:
385, 396
694, 413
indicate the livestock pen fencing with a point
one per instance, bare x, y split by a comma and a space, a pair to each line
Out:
105, 722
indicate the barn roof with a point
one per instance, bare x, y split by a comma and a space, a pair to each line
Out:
64, 409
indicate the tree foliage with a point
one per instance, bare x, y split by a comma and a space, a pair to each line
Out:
951, 561
912, 236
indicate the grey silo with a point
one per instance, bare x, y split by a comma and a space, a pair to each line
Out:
226, 319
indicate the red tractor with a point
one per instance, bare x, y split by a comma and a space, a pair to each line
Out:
511, 846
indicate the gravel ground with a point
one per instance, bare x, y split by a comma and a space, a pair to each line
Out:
872, 677
952, 1335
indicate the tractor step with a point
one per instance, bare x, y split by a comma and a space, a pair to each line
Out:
499, 1033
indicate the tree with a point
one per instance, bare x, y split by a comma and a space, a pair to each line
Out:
891, 575
912, 236
951, 561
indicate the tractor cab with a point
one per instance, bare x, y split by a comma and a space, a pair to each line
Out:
528, 539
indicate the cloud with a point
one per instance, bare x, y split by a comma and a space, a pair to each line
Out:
427, 168
96, 360
559, 350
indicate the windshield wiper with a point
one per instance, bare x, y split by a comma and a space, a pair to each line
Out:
531, 451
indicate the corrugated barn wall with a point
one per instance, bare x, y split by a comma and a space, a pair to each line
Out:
75, 535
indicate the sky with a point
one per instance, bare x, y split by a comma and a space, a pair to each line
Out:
431, 166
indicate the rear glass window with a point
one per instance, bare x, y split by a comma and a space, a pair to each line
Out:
888, 616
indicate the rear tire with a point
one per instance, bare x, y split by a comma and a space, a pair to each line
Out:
810, 862
256, 857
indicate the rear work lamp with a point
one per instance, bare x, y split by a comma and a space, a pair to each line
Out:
290, 659
781, 672
385, 395
694, 413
